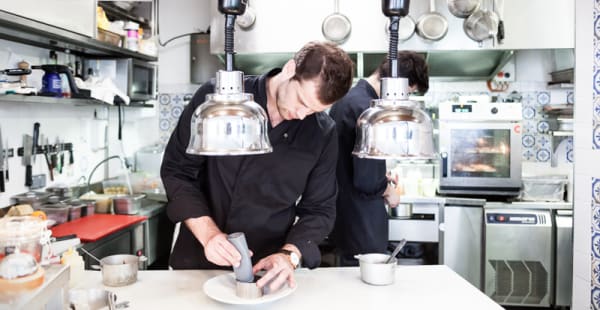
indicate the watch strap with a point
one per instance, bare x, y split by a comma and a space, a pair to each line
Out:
289, 255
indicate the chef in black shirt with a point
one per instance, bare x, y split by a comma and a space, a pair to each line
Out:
283, 201
362, 221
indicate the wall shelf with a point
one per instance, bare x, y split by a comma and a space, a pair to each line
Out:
30, 32
22, 99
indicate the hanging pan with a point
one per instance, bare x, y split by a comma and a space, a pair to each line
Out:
481, 25
336, 27
432, 26
463, 8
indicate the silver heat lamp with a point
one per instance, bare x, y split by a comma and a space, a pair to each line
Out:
229, 121
394, 127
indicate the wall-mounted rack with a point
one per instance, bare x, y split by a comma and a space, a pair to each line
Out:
8, 153
49, 148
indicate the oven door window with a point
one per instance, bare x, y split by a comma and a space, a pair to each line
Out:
482, 153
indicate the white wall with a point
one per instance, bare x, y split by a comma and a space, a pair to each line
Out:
586, 159
70, 123
177, 17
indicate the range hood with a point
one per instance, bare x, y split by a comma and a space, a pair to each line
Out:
465, 65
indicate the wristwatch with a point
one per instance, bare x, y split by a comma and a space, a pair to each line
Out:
292, 256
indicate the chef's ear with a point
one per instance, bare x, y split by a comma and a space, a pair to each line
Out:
289, 69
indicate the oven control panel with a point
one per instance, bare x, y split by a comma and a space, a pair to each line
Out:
511, 218
475, 108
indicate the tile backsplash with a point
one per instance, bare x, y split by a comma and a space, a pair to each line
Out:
537, 143
170, 108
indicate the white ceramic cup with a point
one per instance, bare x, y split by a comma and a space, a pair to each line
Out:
374, 270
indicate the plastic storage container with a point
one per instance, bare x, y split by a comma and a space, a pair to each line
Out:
115, 187
23, 233
103, 203
87, 206
546, 188
57, 213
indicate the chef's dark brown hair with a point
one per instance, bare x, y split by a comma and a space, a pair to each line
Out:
331, 63
414, 67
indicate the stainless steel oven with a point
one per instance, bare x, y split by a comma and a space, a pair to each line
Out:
480, 147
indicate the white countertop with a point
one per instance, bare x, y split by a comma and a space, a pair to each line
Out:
415, 287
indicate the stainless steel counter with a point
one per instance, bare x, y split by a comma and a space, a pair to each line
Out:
530, 205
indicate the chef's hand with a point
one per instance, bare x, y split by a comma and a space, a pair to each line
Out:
217, 248
391, 195
279, 270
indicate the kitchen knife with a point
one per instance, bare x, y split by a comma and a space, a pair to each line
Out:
6, 157
36, 135
27, 145
2, 156
49, 162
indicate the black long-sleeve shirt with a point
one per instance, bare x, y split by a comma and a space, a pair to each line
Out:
362, 222
255, 194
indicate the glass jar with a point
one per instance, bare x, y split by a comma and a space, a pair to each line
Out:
22, 233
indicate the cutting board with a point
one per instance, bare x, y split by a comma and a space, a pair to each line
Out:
95, 227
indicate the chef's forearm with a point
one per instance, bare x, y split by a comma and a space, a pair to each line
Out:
203, 228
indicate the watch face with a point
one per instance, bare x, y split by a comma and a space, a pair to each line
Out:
295, 259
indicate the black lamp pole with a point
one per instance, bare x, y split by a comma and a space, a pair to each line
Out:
231, 9
394, 9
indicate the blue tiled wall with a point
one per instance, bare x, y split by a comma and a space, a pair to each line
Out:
171, 107
537, 143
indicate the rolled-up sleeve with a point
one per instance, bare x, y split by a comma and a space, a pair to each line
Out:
183, 174
316, 209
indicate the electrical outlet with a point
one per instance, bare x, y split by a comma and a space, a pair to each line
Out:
507, 73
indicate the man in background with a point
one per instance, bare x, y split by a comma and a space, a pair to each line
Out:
364, 189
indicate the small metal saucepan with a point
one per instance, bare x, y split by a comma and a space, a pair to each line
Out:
463, 8
119, 270
481, 25
336, 27
402, 211
432, 26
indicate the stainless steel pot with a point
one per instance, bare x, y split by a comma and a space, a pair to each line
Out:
119, 270
402, 211
481, 25
463, 8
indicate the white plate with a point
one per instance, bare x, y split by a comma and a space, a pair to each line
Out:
222, 288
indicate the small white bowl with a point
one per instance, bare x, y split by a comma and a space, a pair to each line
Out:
374, 270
